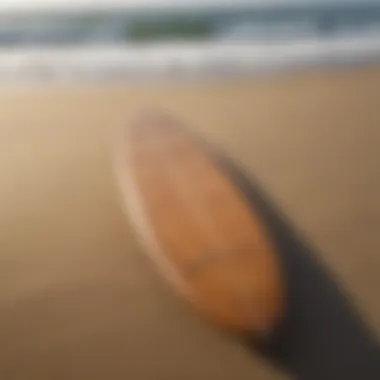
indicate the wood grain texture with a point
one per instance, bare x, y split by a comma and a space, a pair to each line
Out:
197, 227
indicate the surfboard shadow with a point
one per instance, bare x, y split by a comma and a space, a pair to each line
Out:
323, 335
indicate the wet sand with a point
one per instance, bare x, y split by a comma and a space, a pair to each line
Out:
78, 300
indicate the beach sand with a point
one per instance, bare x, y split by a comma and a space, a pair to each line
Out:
78, 300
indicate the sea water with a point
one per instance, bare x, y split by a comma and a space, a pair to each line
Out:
184, 43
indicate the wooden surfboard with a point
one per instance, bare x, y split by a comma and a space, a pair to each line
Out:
197, 227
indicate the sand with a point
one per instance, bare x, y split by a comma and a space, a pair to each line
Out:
78, 300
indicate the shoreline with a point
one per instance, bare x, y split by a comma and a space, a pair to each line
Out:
263, 78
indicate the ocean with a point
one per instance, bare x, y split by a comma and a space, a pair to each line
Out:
183, 43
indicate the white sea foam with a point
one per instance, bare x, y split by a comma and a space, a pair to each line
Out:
183, 61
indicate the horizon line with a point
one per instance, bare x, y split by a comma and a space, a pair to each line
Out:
103, 5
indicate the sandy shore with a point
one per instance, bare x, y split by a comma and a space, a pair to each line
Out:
79, 301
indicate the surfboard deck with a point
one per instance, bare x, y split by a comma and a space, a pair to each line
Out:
197, 226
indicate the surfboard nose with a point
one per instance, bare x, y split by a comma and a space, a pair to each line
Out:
151, 123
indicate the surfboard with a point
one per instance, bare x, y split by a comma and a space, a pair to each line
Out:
197, 227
